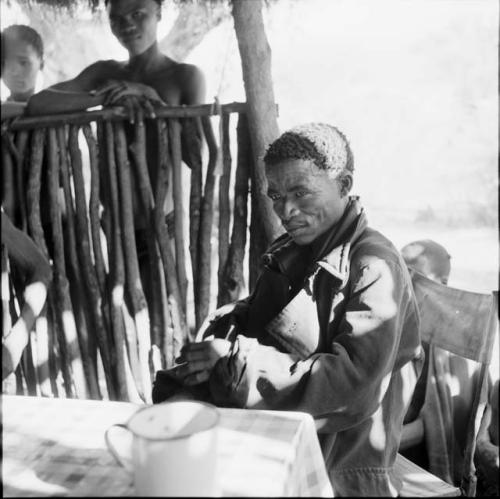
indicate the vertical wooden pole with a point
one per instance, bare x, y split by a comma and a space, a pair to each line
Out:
21, 141
79, 296
8, 182
172, 343
233, 278
204, 238
89, 275
261, 108
192, 133
37, 234
127, 389
180, 257
224, 209
153, 286
134, 285
71, 361
94, 206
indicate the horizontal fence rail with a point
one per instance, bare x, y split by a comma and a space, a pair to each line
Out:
130, 241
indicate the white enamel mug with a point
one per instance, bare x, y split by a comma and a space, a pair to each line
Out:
174, 449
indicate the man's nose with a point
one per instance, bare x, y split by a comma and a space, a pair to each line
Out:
15, 69
127, 23
287, 210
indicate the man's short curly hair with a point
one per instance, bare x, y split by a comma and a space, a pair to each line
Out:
16, 33
321, 143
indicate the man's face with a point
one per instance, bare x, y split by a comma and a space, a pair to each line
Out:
306, 199
134, 23
21, 67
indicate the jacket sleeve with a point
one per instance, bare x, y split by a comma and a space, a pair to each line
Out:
347, 383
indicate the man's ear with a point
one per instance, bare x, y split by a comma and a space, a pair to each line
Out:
42, 62
346, 181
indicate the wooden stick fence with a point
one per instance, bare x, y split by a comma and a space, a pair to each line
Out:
122, 296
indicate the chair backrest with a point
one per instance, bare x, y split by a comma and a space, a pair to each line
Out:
463, 323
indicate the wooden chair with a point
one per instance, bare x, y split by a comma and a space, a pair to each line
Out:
464, 324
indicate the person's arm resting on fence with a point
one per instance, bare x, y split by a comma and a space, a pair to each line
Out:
76, 94
12, 109
25, 255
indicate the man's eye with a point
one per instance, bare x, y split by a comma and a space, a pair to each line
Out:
299, 194
137, 14
273, 196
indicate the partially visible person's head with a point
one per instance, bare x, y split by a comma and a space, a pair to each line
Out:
134, 23
310, 174
429, 258
22, 59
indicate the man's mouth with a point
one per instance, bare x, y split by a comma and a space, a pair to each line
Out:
129, 37
292, 229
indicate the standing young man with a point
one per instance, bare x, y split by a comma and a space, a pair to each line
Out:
148, 77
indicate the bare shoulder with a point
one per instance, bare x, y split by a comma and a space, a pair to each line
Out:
104, 68
180, 70
192, 81
180, 83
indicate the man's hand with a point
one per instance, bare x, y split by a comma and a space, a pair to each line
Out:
199, 359
116, 89
130, 94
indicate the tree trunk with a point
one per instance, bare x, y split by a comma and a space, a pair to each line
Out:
255, 56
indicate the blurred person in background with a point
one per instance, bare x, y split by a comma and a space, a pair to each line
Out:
433, 260
429, 258
22, 60
36, 274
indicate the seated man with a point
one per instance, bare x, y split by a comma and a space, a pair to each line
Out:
22, 59
332, 327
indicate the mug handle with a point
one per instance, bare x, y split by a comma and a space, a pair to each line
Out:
107, 437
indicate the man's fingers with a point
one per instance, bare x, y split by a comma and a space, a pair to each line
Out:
148, 108
129, 108
106, 87
139, 111
116, 94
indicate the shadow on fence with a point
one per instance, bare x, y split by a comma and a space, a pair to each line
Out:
82, 186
